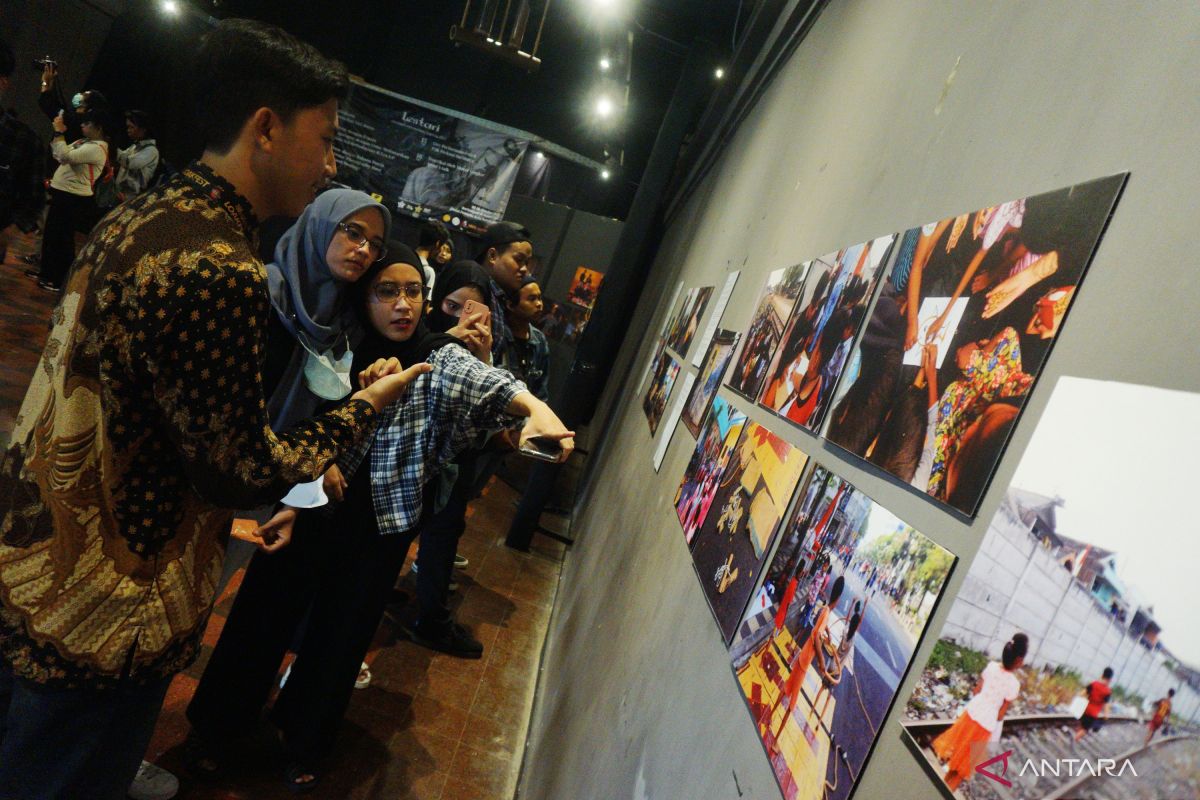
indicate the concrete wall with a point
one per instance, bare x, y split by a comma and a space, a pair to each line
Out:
1016, 585
890, 114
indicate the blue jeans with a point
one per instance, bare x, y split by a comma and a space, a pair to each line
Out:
65, 744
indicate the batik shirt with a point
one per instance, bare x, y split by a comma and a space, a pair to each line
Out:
442, 413
144, 423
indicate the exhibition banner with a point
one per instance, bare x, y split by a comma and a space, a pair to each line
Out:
425, 162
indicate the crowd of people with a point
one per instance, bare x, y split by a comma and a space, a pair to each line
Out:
354, 395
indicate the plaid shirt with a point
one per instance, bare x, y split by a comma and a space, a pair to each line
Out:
442, 414
22, 173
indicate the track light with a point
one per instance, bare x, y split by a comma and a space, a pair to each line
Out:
605, 63
604, 107
170, 6
719, 72
605, 174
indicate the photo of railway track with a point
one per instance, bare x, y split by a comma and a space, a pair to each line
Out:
1066, 667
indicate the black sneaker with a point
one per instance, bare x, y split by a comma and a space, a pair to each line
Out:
453, 640
49, 287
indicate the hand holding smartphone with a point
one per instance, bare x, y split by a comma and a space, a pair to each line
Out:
471, 307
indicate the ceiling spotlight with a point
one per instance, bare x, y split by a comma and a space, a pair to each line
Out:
170, 6
605, 63
604, 107
719, 72
605, 174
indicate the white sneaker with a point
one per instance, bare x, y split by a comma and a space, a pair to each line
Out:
153, 783
460, 562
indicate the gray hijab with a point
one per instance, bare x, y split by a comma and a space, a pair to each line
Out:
309, 301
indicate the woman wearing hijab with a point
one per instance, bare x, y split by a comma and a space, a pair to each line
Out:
313, 330
433, 626
343, 564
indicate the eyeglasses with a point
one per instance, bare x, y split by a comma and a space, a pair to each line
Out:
388, 292
359, 238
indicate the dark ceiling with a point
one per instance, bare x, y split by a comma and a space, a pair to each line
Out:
405, 46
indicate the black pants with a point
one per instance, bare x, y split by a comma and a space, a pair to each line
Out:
68, 213
340, 571
440, 535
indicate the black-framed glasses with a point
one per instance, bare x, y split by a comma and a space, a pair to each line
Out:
358, 237
388, 292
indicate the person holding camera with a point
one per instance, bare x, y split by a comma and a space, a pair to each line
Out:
80, 165
53, 103
22, 168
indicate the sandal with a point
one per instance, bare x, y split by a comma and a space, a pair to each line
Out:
293, 773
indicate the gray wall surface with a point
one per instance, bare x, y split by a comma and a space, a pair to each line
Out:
890, 114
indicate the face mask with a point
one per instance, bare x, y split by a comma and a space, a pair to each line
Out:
77, 100
325, 376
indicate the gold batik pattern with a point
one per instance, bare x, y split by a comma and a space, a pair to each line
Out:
144, 423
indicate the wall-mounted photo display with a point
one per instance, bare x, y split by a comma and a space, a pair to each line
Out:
735, 538
1073, 637
684, 325
712, 458
816, 343
771, 314
563, 322
964, 322
662, 380
584, 287
827, 641
720, 350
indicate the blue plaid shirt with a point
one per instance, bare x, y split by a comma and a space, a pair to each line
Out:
443, 413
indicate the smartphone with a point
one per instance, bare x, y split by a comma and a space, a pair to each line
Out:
542, 448
471, 307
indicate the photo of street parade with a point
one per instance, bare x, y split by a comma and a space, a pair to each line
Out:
736, 535
814, 348
825, 644
714, 451
1067, 665
666, 369
685, 322
963, 324
771, 314
709, 379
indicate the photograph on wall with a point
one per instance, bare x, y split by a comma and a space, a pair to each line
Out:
1018, 265
772, 311
824, 647
563, 322
733, 542
584, 287
715, 447
816, 344
662, 380
684, 325
1074, 634
711, 371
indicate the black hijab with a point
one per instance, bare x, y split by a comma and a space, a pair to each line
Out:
374, 346
451, 279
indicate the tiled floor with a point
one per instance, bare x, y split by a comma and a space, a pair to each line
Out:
429, 726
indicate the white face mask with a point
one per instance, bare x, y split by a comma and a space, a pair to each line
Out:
325, 376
